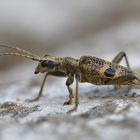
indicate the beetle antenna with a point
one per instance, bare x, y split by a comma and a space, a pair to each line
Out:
23, 55
19, 49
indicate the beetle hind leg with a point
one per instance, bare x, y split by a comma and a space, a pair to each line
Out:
118, 58
130, 80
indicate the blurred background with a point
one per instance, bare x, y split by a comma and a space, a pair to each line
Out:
99, 28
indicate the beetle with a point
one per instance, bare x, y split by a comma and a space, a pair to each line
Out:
86, 69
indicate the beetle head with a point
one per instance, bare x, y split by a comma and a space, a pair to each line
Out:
48, 64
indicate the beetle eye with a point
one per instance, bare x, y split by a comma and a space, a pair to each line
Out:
48, 64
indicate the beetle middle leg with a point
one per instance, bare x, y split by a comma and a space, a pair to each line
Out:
68, 83
76, 96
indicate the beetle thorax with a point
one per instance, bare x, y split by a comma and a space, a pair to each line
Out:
65, 65
69, 65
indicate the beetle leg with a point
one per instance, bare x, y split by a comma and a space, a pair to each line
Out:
123, 80
68, 83
41, 90
117, 60
76, 97
119, 57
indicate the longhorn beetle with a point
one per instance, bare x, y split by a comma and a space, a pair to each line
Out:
86, 69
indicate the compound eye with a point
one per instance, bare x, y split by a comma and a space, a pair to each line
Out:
48, 64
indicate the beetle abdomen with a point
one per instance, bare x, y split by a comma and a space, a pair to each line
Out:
89, 69
110, 72
98, 71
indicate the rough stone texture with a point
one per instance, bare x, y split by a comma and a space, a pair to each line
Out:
104, 113
106, 28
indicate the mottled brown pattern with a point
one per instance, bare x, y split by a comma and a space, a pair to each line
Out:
69, 65
86, 69
91, 70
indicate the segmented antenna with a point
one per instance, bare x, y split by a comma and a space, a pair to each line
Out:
19, 49
23, 55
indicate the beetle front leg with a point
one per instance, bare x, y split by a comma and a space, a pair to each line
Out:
76, 97
68, 83
41, 90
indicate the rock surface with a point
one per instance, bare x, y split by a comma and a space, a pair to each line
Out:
104, 113
103, 29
